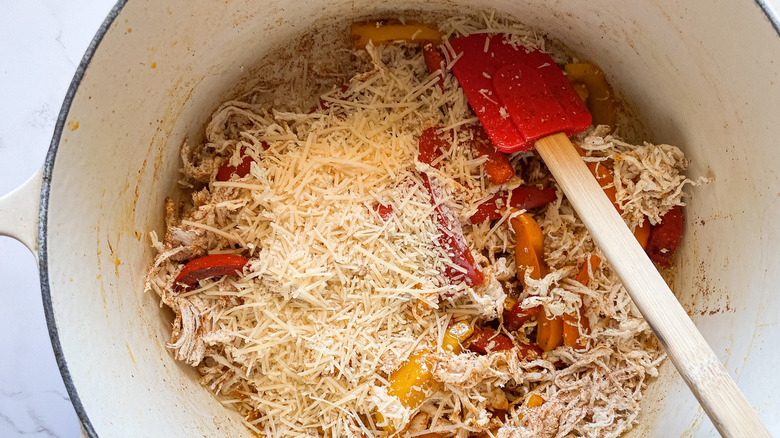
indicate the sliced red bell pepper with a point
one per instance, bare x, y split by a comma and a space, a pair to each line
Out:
208, 266
665, 237
431, 145
433, 142
497, 167
384, 211
530, 351
226, 170
517, 316
522, 198
434, 60
453, 242
487, 340
527, 198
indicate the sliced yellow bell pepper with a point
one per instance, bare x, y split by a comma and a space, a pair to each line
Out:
534, 401
456, 335
599, 97
413, 382
387, 31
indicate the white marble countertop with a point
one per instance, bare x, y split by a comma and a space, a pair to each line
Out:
41, 42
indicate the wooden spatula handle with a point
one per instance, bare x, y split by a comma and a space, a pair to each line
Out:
716, 391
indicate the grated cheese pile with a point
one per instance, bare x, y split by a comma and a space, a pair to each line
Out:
335, 298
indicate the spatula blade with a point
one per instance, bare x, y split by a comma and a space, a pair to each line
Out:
539, 99
474, 70
515, 110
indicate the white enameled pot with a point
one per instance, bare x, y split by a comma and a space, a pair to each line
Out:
704, 76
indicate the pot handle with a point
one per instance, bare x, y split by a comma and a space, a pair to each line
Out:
19, 212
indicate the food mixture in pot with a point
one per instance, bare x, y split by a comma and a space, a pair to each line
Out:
357, 259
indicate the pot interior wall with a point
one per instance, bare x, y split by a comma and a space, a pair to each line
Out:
704, 78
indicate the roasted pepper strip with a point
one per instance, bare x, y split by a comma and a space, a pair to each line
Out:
642, 233
549, 331
434, 60
517, 316
521, 198
453, 242
583, 276
666, 236
208, 266
607, 182
572, 336
529, 247
226, 170
529, 351
413, 382
388, 31
487, 340
455, 336
430, 147
534, 401
599, 97
384, 211
497, 166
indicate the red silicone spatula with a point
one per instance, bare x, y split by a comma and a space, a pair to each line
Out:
523, 100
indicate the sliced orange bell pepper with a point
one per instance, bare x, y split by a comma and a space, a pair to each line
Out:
413, 380
529, 247
606, 180
530, 231
549, 331
571, 325
583, 276
387, 31
572, 336
581, 90
642, 233
534, 401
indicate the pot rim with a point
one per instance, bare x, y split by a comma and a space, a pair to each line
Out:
48, 168
43, 215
